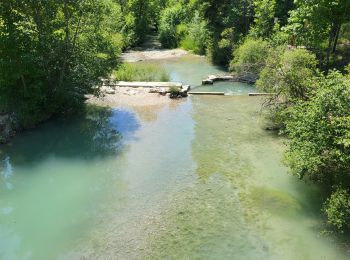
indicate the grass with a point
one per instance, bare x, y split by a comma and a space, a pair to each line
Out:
141, 72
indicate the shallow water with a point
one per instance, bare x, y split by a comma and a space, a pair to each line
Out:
198, 179
192, 69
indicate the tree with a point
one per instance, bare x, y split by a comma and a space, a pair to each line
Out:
171, 17
197, 35
227, 21
314, 22
54, 52
264, 18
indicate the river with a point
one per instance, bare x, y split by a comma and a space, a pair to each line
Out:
196, 179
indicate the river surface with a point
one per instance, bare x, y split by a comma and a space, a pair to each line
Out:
196, 179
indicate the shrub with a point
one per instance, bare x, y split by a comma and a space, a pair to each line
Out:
337, 209
288, 72
319, 131
291, 76
319, 147
249, 58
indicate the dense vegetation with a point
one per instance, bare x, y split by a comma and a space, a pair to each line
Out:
53, 52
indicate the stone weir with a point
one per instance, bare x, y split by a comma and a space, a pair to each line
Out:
162, 88
214, 78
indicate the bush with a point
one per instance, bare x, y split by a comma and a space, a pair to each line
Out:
320, 132
291, 76
319, 147
250, 58
337, 209
289, 72
141, 72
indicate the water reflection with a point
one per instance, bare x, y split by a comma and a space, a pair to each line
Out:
54, 180
6, 173
91, 134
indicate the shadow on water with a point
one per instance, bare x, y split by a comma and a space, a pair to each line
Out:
54, 180
93, 133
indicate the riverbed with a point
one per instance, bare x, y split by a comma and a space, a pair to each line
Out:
198, 178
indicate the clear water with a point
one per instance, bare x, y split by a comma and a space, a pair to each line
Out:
229, 88
198, 179
192, 69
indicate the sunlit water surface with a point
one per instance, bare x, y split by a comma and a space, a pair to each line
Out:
198, 179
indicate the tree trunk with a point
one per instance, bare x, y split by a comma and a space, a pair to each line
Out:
336, 38
332, 34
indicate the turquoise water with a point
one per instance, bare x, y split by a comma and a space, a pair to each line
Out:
192, 69
195, 179
229, 88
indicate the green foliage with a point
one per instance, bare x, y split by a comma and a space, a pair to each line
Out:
197, 36
317, 24
227, 23
170, 18
320, 132
188, 44
141, 72
283, 8
345, 33
319, 148
264, 18
249, 58
337, 209
288, 73
52, 53
139, 12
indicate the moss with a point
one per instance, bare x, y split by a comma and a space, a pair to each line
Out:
274, 201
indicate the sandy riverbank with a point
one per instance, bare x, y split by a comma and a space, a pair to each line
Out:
152, 54
145, 104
